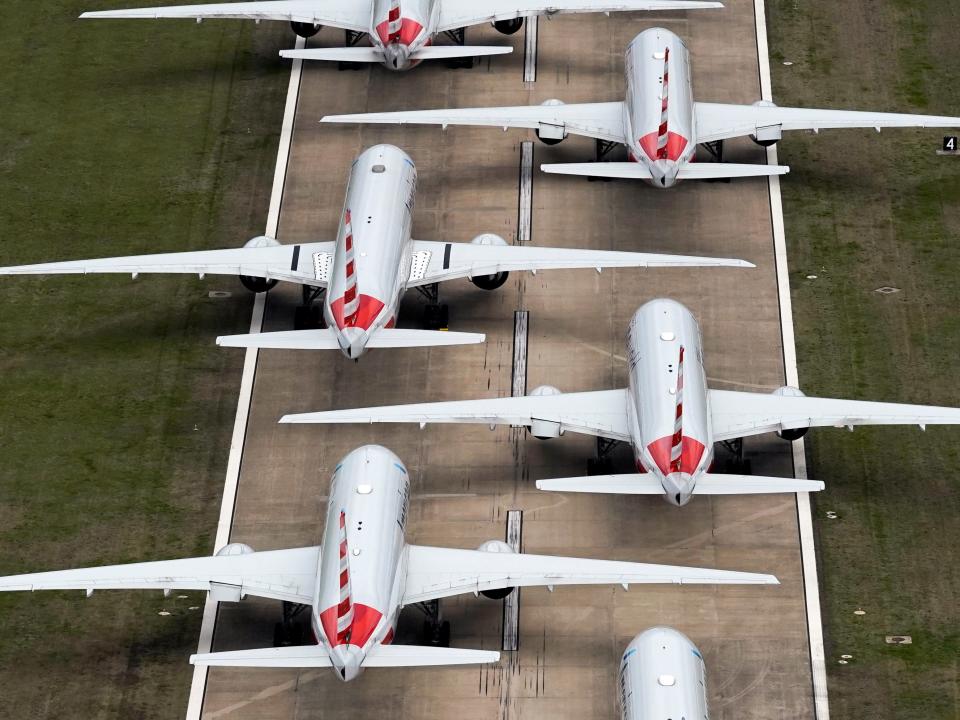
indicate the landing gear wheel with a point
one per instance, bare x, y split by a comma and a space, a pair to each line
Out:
599, 466
437, 635
307, 317
436, 317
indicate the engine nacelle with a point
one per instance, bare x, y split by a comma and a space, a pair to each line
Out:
489, 282
545, 429
796, 433
767, 135
551, 134
496, 546
259, 284
508, 27
234, 549
306, 30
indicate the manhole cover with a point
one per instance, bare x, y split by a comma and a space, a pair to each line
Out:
219, 294
899, 640
887, 290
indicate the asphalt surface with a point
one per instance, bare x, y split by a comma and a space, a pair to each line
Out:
467, 478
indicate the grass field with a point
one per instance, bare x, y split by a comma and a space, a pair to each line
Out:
862, 212
115, 404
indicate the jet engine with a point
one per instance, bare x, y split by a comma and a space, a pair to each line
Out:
305, 29
551, 134
508, 27
770, 134
489, 282
545, 429
496, 546
797, 433
259, 284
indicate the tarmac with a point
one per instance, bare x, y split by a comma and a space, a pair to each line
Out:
466, 479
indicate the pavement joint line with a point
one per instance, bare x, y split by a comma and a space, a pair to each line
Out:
530, 49
521, 330
198, 685
818, 665
511, 604
525, 217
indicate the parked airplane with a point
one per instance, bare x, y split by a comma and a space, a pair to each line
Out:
362, 576
364, 274
667, 414
662, 675
401, 31
659, 121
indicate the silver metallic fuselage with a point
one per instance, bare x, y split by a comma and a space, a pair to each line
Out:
662, 677
398, 28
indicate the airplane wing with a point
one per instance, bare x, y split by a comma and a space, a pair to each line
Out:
307, 264
596, 120
718, 122
741, 414
434, 572
710, 484
345, 14
438, 261
277, 574
456, 14
300, 656
602, 413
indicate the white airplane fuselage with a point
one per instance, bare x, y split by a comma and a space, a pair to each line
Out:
668, 407
659, 110
399, 28
371, 263
662, 675
358, 610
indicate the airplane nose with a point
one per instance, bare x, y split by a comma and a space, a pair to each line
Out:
347, 661
396, 57
678, 488
353, 342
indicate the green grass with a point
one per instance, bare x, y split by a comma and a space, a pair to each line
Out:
115, 404
862, 212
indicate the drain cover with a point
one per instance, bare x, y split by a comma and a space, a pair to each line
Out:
899, 640
219, 294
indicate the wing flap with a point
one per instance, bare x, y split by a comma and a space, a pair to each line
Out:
463, 13
344, 14
716, 121
742, 414
442, 572
448, 261
279, 574
602, 413
596, 120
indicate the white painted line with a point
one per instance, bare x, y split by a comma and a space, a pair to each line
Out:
525, 218
530, 49
818, 665
511, 605
521, 321
199, 684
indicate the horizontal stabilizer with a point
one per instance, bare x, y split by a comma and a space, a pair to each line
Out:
645, 484
689, 171
327, 340
341, 54
627, 484
441, 52
752, 484
302, 656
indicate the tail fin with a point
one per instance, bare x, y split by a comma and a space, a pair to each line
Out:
302, 656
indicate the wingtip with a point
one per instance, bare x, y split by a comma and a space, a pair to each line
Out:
771, 580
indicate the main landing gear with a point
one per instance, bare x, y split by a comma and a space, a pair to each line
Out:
602, 464
603, 148
436, 630
309, 314
289, 632
458, 37
435, 315
736, 464
715, 149
352, 38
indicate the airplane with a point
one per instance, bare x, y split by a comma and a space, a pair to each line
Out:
364, 274
356, 583
401, 32
662, 675
659, 122
667, 414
